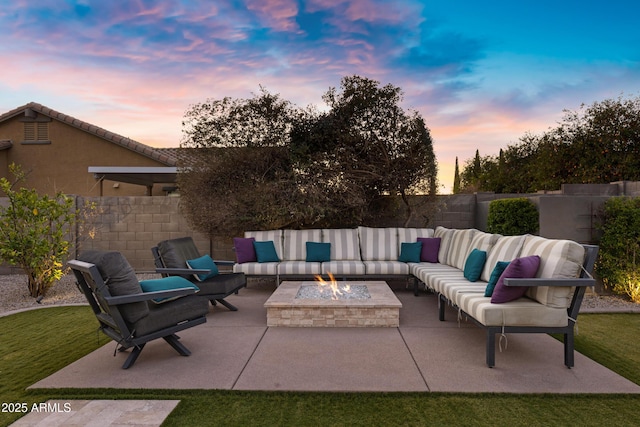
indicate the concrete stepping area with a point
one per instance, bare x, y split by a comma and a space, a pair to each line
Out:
67, 413
237, 351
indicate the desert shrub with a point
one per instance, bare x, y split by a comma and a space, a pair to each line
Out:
511, 217
620, 246
34, 232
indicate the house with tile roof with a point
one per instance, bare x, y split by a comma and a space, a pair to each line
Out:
63, 153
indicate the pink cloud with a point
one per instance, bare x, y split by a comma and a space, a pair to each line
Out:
279, 15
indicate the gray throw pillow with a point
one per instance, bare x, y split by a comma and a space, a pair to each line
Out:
120, 279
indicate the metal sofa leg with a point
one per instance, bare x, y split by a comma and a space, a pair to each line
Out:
491, 348
441, 306
568, 350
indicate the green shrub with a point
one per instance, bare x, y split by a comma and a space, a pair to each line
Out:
33, 232
511, 217
620, 246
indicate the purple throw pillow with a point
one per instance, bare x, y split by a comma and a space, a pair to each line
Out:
519, 268
245, 252
430, 248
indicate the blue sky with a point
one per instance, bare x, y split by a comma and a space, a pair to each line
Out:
481, 73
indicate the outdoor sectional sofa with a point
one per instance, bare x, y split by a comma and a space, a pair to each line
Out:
546, 299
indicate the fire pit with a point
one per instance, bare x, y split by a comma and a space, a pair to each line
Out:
356, 304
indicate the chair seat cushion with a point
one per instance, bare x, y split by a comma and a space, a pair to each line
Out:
170, 314
166, 284
222, 284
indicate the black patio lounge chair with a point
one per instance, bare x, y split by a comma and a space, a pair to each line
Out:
170, 258
125, 313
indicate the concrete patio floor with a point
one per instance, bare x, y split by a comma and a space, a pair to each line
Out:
237, 351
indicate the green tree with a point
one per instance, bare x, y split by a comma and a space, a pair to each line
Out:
456, 179
380, 149
33, 230
263, 163
599, 143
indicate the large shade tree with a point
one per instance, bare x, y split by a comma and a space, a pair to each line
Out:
263, 163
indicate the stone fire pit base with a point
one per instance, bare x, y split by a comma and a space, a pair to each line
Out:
381, 310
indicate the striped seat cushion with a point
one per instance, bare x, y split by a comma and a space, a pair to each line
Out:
295, 243
257, 268
386, 267
343, 268
521, 312
378, 244
299, 267
345, 245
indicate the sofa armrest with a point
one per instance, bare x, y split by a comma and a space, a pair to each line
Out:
540, 281
148, 296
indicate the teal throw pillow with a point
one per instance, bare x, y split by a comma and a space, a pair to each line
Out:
410, 252
166, 284
203, 263
474, 265
495, 275
318, 252
266, 251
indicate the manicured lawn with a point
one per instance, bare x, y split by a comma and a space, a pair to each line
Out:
36, 344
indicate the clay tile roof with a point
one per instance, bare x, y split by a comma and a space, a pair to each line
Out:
153, 153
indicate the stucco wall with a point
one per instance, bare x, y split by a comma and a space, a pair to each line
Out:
63, 164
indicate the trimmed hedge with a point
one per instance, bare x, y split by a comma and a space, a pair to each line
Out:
511, 217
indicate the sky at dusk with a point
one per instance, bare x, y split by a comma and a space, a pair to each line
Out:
481, 73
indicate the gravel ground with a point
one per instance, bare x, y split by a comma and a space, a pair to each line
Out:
14, 296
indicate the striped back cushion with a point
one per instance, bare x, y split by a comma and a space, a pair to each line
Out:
345, 245
459, 247
482, 241
295, 243
263, 236
507, 248
445, 239
410, 235
558, 259
378, 244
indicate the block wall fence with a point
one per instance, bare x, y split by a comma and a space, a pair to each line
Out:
132, 225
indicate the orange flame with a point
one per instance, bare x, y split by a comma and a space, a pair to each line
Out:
333, 285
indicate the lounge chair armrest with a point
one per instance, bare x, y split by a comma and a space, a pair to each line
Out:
183, 270
539, 281
148, 296
224, 262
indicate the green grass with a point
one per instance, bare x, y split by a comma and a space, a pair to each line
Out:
38, 343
